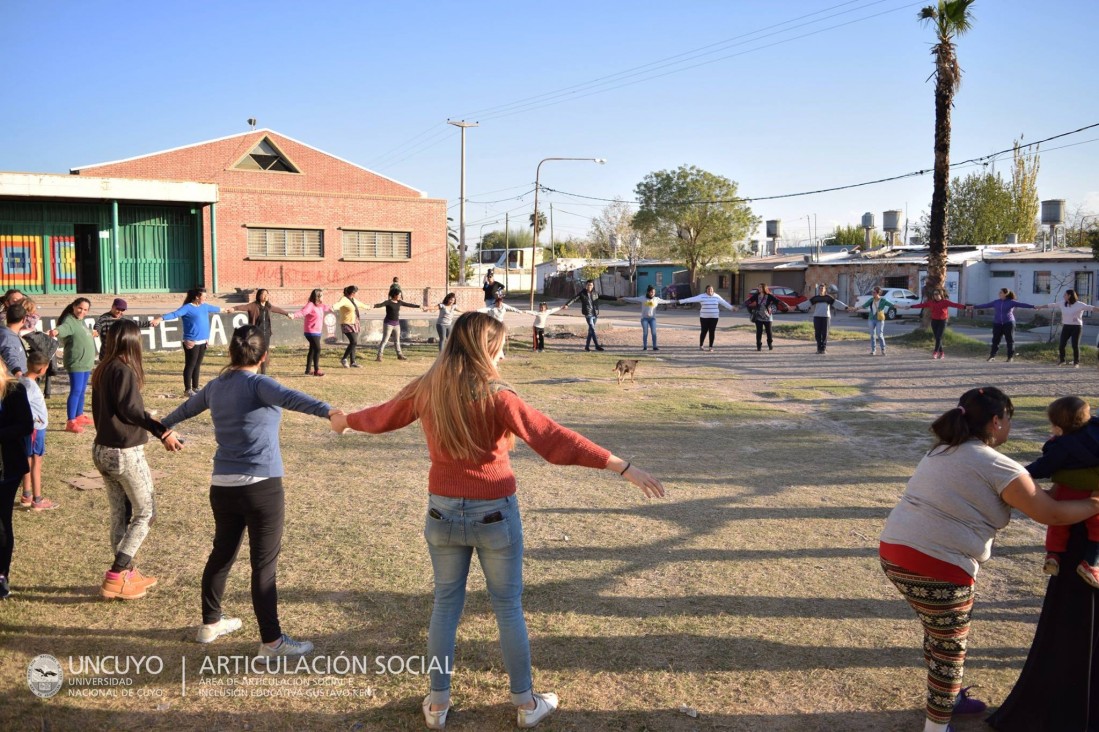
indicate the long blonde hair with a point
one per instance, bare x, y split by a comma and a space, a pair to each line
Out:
7, 381
457, 392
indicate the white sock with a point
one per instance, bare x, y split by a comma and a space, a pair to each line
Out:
929, 726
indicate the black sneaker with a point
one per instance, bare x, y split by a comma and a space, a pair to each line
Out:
5, 591
600, 348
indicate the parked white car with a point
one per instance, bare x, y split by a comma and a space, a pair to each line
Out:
901, 299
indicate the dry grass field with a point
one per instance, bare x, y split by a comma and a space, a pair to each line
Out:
751, 595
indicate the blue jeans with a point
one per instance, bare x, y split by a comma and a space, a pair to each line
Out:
591, 331
648, 324
877, 334
454, 528
78, 384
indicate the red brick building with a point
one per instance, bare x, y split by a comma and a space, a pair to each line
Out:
292, 217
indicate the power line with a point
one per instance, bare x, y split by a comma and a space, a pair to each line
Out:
748, 199
570, 92
669, 61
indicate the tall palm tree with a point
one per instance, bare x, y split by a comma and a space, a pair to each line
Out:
949, 19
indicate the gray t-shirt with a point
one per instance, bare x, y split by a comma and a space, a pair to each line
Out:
952, 508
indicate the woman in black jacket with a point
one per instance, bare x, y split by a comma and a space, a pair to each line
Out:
16, 424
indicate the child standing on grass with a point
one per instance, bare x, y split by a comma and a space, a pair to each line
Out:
471, 419
32, 498
541, 315
1074, 444
246, 487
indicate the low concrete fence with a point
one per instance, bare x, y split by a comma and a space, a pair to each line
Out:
168, 336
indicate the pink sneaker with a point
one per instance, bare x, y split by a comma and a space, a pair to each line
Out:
43, 504
1089, 574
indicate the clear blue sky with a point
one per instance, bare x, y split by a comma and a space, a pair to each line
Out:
784, 102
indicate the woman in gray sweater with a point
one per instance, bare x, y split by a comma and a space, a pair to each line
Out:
246, 487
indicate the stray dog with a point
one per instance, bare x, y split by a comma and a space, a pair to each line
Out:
625, 367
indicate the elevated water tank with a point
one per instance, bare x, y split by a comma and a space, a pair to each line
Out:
1053, 212
868, 220
774, 229
890, 221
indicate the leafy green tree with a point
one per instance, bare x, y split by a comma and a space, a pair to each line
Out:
695, 215
949, 19
981, 209
1024, 193
855, 236
614, 224
453, 258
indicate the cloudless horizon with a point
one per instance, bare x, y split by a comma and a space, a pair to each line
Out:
779, 97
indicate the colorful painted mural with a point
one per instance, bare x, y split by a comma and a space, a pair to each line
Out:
63, 261
21, 261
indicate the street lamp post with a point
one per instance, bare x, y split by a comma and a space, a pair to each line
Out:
534, 240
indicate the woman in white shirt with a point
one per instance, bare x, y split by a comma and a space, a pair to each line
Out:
708, 314
1072, 311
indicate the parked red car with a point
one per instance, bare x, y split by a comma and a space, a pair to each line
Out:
791, 298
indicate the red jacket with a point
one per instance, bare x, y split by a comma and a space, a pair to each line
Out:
939, 308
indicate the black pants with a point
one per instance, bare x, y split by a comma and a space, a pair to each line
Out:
1007, 332
349, 352
540, 339
820, 330
192, 365
938, 327
259, 508
763, 325
1069, 332
8, 490
709, 327
314, 355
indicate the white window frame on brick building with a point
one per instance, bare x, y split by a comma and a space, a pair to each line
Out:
362, 245
269, 242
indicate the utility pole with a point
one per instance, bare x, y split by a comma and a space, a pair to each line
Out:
551, 231
462, 205
507, 250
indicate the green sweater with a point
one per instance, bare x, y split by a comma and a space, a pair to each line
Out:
78, 343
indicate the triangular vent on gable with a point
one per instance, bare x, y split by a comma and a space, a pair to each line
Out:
265, 156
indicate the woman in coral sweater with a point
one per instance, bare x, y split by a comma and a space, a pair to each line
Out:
470, 419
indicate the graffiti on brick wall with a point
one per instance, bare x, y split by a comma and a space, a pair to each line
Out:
279, 275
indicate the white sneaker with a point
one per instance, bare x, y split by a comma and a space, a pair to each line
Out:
288, 647
544, 705
433, 720
210, 633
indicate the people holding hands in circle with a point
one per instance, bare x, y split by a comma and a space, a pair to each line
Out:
708, 314
822, 304
879, 308
940, 313
649, 304
1003, 321
1072, 324
470, 418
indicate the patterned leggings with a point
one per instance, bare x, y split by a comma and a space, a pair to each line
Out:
944, 610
